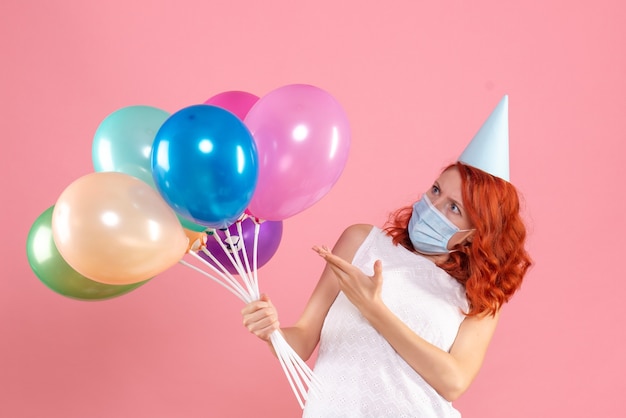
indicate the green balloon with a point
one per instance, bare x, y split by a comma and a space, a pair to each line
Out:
53, 271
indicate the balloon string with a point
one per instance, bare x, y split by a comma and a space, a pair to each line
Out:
286, 362
244, 251
302, 367
224, 273
296, 370
294, 367
287, 372
245, 277
235, 263
230, 289
292, 371
255, 254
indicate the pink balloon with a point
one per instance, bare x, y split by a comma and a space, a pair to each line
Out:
237, 102
303, 140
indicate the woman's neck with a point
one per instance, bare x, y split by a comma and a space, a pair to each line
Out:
437, 259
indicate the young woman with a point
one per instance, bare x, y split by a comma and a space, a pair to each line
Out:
404, 315
405, 324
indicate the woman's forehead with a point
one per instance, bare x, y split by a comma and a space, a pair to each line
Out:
451, 178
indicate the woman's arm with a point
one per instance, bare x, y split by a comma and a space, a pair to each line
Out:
261, 319
449, 373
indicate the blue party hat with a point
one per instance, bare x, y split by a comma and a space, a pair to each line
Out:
489, 149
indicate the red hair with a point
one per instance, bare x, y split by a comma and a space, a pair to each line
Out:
493, 264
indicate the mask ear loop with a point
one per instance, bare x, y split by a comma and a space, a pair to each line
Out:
466, 242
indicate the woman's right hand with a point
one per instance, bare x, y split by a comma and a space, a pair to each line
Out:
260, 318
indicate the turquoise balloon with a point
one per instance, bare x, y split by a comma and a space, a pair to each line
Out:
123, 141
192, 226
53, 271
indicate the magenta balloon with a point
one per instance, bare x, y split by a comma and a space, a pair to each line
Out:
270, 234
237, 102
303, 140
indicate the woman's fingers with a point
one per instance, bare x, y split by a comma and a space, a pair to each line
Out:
263, 302
263, 327
331, 258
260, 317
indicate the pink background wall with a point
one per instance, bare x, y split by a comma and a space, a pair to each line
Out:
416, 79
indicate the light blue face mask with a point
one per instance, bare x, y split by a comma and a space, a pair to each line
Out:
429, 230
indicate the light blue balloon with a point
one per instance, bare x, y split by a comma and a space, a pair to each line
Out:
205, 165
123, 141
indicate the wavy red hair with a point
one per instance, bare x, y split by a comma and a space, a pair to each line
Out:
491, 266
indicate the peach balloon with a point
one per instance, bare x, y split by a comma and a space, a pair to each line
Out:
197, 240
113, 228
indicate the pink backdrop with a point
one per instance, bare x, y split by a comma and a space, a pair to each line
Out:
416, 79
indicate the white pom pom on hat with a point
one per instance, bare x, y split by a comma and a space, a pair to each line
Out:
489, 149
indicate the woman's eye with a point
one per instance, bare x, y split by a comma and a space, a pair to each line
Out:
454, 208
435, 190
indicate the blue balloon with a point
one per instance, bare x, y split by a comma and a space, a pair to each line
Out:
205, 165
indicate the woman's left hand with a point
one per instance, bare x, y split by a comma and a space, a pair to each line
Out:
362, 290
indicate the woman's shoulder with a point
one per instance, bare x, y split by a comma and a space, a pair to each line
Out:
351, 239
357, 231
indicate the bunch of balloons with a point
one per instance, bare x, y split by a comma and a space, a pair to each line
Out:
213, 181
